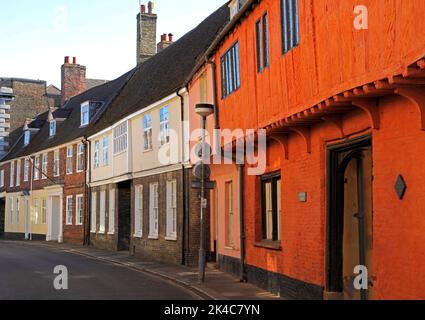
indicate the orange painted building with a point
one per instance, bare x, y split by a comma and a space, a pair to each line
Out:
344, 111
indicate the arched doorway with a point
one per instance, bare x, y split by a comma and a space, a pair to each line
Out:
350, 217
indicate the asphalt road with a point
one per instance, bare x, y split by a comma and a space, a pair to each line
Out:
26, 273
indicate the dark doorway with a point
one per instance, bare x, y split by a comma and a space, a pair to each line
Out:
2, 216
350, 217
124, 215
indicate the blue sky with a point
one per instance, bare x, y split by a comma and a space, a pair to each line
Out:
37, 35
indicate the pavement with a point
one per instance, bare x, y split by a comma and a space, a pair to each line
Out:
169, 281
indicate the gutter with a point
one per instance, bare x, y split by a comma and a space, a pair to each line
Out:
185, 182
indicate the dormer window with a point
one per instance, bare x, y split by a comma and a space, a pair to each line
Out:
52, 126
88, 110
85, 114
27, 136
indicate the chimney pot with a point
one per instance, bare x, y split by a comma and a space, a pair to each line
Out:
67, 60
143, 8
150, 7
170, 37
74, 60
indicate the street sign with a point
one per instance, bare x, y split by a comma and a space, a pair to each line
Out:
209, 185
197, 170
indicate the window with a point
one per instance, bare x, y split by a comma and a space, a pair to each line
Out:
153, 211
18, 173
56, 163
37, 168
271, 207
79, 210
230, 215
45, 165
138, 216
36, 216
12, 174
17, 210
44, 211
112, 211
26, 170
11, 211
164, 125
290, 27
2, 179
27, 136
147, 131
52, 128
172, 210
96, 162
105, 151
85, 114
69, 160
262, 43
120, 138
80, 157
230, 72
93, 223
102, 213
69, 205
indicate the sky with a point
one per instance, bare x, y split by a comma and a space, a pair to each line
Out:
35, 36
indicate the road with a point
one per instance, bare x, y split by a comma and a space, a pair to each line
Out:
26, 273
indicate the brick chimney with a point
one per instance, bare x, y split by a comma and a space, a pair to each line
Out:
73, 79
166, 41
146, 33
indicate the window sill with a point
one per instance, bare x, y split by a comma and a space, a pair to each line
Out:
271, 245
111, 233
138, 236
153, 237
148, 150
171, 238
230, 248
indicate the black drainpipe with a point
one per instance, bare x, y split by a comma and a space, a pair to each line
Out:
242, 222
185, 185
216, 111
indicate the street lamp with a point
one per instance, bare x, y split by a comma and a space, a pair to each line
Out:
203, 110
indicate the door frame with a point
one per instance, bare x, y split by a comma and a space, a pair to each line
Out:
334, 204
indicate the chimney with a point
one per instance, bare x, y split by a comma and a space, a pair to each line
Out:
73, 79
146, 33
166, 41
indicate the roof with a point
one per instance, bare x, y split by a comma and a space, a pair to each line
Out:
166, 72
91, 83
69, 129
53, 90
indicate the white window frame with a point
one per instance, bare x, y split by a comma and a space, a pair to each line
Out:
147, 132
69, 210
121, 138
85, 114
18, 173
18, 208
45, 165
80, 157
105, 151
164, 126
2, 179
93, 223
44, 211
37, 168
111, 216
138, 211
79, 210
102, 212
171, 210
11, 221
56, 163
52, 128
96, 161
154, 211
12, 174
26, 170
36, 213
69, 160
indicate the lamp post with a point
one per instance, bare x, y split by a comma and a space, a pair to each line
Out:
203, 110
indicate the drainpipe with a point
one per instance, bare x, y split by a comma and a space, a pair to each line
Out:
242, 222
185, 183
88, 196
